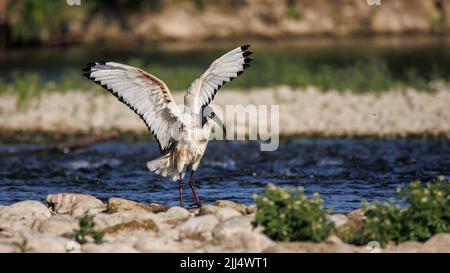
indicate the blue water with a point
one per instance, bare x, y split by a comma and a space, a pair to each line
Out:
344, 171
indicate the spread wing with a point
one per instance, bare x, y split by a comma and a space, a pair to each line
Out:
145, 94
221, 71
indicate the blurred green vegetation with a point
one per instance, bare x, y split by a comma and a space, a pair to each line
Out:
358, 66
361, 76
29, 20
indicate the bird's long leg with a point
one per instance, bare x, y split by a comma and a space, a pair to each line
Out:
194, 191
180, 188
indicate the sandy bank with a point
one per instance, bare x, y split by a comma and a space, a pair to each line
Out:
302, 112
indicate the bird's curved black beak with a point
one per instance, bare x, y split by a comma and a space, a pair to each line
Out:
209, 112
219, 122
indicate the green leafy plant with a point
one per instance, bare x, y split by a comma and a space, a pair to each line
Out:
429, 209
382, 223
289, 215
427, 213
87, 231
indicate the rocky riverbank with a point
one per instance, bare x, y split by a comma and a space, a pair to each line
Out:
303, 112
128, 226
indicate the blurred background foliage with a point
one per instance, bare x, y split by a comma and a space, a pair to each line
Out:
45, 43
29, 20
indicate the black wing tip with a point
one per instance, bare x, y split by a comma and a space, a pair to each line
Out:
87, 75
89, 65
248, 60
247, 53
244, 47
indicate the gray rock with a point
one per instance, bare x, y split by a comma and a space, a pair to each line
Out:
230, 204
8, 248
241, 222
103, 220
143, 224
122, 205
23, 215
251, 209
408, 247
58, 225
226, 213
333, 239
128, 237
47, 243
309, 247
207, 209
176, 213
108, 248
355, 223
161, 244
238, 233
338, 219
75, 204
356, 215
437, 243
198, 228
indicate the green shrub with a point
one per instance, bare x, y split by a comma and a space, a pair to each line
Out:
288, 215
429, 209
87, 231
382, 223
427, 213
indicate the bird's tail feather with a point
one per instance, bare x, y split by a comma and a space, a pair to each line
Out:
164, 167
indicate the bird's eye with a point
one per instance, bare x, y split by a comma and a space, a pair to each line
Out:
212, 115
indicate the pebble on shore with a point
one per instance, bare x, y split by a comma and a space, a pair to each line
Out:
129, 226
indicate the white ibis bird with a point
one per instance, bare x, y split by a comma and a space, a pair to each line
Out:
182, 133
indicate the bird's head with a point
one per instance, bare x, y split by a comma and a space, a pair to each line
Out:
208, 113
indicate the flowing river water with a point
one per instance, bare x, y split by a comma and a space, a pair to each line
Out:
344, 171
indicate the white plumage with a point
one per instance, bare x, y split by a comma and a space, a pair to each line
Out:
182, 134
